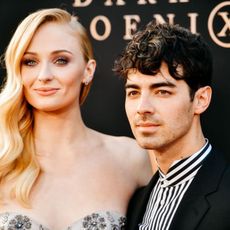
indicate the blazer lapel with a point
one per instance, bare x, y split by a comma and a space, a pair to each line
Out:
138, 204
195, 203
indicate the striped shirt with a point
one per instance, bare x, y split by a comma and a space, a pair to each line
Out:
170, 189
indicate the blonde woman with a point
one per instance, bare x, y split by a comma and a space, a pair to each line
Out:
55, 172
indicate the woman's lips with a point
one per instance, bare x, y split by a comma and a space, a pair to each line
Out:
46, 91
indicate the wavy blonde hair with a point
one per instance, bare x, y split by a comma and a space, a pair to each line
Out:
18, 163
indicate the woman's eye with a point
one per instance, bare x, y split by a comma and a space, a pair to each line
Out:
29, 62
61, 61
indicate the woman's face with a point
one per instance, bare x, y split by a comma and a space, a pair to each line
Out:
53, 68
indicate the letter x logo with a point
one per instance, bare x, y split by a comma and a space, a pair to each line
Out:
226, 19
221, 37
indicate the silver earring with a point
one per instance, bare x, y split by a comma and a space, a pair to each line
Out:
86, 82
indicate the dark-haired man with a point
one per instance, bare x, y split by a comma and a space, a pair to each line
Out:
168, 86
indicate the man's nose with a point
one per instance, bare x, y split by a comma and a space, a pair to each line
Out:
145, 105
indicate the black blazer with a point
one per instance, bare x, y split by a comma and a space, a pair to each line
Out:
205, 205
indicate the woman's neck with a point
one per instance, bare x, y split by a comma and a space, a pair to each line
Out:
53, 132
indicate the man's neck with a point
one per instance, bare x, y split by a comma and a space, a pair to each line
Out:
164, 158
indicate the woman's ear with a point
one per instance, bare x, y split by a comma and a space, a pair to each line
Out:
202, 99
89, 71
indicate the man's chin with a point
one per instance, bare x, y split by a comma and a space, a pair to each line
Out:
145, 145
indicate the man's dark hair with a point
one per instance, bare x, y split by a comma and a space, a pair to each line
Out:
187, 55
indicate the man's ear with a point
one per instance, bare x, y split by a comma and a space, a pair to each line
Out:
202, 99
89, 71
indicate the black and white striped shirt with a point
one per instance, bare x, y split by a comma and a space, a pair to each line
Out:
170, 189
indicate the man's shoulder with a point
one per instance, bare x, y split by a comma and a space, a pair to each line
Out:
219, 157
214, 173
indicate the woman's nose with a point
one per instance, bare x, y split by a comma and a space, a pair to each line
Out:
45, 73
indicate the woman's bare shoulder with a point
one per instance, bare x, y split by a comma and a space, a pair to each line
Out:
122, 144
133, 158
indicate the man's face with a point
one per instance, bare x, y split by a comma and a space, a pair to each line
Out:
159, 109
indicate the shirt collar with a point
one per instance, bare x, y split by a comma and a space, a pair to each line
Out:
185, 169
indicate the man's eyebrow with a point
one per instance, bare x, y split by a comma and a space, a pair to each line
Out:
162, 84
133, 86
152, 86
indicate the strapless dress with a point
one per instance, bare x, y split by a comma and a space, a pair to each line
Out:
103, 220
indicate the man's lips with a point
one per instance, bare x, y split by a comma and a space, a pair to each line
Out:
148, 124
147, 127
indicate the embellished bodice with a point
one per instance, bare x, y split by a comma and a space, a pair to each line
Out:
104, 220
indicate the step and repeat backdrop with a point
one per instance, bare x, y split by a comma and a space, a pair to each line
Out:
110, 24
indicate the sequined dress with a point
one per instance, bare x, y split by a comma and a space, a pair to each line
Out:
105, 220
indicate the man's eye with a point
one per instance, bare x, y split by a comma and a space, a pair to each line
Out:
163, 92
132, 93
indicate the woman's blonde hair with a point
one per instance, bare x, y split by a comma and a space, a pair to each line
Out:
18, 164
